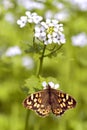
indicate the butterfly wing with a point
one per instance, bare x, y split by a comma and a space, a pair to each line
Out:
60, 102
38, 102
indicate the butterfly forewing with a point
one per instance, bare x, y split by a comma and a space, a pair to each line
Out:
39, 102
60, 102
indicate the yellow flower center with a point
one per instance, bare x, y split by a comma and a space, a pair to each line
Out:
50, 30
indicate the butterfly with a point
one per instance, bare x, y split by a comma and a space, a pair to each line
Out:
49, 100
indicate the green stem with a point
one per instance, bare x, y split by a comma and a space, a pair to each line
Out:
41, 61
26, 122
39, 72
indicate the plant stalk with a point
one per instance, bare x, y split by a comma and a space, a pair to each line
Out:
39, 72
26, 121
41, 62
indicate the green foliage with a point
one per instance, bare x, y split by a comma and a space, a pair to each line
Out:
34, 83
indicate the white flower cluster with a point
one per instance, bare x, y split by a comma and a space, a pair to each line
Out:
27, 62
13, 51
33, 17
79, 39
50, 32
81, 4
47, 32
30, 18
22, 21
52, 85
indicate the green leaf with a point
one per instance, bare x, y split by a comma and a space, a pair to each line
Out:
33, 83
34, 48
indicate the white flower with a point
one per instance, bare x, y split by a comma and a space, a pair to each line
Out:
30, 18
12, 51
81, 4
9, 17
27, 62
51, 84
50, 32
56, 86
7, 4
32, 4
59, 5
44, 84
33, 17
22, 21
49, 14
79, 40
62, 15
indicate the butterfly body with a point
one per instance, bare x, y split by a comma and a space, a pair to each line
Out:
49, 100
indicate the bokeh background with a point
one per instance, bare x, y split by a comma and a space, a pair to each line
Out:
16, 64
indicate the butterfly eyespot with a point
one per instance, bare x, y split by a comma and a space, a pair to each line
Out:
64, 100
63, 104
39, 94
35, 100
30, 107
36, 95
62, 95
32, 96
59, 100
67, 96
44, 111
39, 100
68, 107
70, 103
39, 110
29, 102
42, 106
38, 105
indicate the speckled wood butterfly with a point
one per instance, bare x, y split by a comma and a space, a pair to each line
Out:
49, 100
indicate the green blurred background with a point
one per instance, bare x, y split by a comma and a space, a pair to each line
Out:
69, 67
